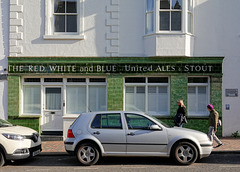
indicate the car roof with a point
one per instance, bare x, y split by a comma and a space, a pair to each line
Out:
108, 112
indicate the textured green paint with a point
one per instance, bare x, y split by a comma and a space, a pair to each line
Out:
178, 91
115, 85
216, 93
27, 122
13, 95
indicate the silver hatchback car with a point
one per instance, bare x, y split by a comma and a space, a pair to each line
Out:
121, 133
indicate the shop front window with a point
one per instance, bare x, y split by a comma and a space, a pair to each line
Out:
198, 96
149, 95
32, 99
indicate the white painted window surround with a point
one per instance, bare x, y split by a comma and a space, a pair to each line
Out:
49, 23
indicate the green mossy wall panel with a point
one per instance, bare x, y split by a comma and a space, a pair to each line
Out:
115, 85
216, 93
196, 124
26, 122
178, 91
13, 95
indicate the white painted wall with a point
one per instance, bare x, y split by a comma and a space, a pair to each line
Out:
216, 33
4, 16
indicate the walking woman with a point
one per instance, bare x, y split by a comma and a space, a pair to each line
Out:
180, 117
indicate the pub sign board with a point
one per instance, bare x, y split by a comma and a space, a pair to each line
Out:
84, 68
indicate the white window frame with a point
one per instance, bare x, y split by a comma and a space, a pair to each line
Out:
184, 20
146, 85
208, 95
49, 23
63, 84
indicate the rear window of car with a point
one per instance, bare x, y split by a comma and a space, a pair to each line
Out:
107, 121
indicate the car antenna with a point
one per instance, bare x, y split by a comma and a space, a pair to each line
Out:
89, 109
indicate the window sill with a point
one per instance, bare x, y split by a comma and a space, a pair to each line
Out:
168, 33
63, 37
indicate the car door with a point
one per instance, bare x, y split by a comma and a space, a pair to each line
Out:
141, 140
108, 129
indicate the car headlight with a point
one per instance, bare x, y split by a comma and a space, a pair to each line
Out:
14, 136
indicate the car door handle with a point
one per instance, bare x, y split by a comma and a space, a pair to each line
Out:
96, 132
131, 134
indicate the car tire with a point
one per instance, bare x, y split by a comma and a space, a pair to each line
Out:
87, 154
185, 153
2, 159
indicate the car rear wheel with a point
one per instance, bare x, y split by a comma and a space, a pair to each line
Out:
87, 154
2, 159
185, 153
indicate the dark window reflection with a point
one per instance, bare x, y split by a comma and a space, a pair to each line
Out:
164, 20
165, 4
59, 23
72, 7
176, 4
176, 20
59, 6
72, 23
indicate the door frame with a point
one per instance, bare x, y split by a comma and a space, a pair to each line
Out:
44, 106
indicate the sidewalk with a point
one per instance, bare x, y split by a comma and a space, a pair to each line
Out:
231, 145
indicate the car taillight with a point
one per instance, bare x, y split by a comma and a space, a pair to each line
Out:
70, 134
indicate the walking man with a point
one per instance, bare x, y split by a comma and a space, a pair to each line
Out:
213, 120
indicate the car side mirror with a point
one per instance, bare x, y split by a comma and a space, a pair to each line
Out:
155, 127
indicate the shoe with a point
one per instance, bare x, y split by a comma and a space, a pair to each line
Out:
219, 145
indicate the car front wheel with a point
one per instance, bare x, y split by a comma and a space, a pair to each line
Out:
185, 153
87, 154
2, 160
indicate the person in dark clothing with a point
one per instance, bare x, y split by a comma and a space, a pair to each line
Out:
213, 119
180, 117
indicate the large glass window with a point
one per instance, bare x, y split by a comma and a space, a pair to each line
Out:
149, 95
198, 96
149, 16
170, 15
64, 19
97, 98
75, 99
65, 15
32, 99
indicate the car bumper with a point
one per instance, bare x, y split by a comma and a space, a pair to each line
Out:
206, 150
24, 153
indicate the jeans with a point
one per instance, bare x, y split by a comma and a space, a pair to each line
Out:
212, 135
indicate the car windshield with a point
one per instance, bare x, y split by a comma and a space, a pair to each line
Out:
164, 124
4, 123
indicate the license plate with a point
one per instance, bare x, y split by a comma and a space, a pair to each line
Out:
36, 152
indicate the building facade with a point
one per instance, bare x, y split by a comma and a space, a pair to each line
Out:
72, 56
4, 32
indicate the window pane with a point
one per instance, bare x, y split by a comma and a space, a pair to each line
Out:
176, 17
192, 107
59, 23
53, 80
59, 6
32, 99
76, 80
149, 22
32, 79
71, 6
97, 98
176, 4
190, 18
136, 100
111, 121
138, 122
164, 20
135, 80
150, 5
71, 23
202, 99
158, 80
165, 4
53, 98
75, 99
97, 121
190, 5
197, 80
157, 99
97, 80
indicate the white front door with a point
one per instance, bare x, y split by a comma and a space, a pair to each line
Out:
53, 109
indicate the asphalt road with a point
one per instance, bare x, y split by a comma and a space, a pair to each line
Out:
215, 163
